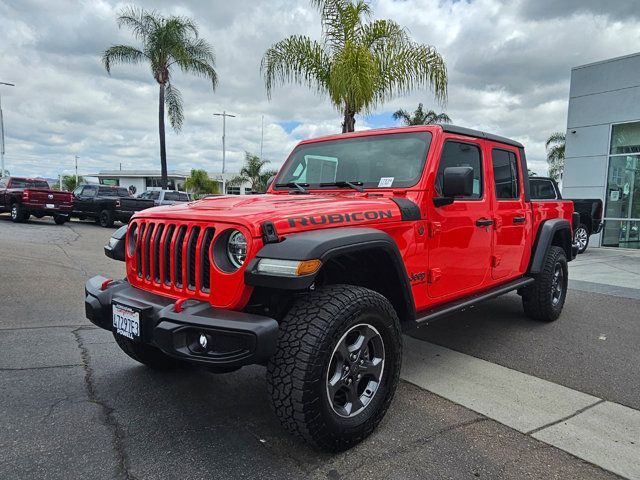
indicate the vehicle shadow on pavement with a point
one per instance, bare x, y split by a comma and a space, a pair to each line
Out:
203, 424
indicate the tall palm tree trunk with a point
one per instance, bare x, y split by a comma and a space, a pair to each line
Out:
349, 122
163, 147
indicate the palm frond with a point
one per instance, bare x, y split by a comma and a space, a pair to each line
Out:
407, 66
296, 59
383, 31
556, 137
173, 101
121, 54
138, 20
402, 115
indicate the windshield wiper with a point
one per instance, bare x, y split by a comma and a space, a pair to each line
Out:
356, 185
300, 186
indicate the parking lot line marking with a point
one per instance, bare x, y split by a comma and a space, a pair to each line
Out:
604, 433
607, 435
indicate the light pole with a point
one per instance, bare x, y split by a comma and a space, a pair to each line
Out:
224, 116
77, 170
2, 131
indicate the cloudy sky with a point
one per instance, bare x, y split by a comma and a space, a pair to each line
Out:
508, 61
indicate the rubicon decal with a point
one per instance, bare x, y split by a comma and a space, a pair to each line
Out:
339, 218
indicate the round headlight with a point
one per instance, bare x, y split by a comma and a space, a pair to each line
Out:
237, 248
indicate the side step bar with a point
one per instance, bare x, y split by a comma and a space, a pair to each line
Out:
426, 316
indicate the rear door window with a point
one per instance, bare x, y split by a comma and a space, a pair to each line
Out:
542, 189
505, 174
171, 196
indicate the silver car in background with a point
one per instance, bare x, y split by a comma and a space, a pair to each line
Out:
166, 197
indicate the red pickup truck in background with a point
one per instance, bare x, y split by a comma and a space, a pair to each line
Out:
23, 197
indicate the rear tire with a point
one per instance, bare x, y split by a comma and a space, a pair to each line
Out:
581, 236
147, 355
326, 340
18, 213
105, 219
543, 301
60, 219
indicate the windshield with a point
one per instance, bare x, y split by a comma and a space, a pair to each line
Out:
27, 183
381, 161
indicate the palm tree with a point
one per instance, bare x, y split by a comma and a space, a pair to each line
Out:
199, 183
420, 117
555, 154
358, 64
167, 42
252, 173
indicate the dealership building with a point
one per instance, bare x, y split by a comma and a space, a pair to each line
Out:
602, 157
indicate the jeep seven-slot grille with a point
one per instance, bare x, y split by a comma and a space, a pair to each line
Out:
176, 256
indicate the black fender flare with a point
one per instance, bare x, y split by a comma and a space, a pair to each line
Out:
324, 245
544, 239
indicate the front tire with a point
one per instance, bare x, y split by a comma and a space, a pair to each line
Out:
543, 301
147, 355
336, 367
581, 236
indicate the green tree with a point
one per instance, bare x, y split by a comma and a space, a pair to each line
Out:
166, 43
359, 64
420, 117
555, 154
253, 174
200, 184
69, 182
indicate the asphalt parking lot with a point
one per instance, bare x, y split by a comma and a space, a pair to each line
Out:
73, 406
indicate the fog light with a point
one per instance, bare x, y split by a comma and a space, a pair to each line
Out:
203, 341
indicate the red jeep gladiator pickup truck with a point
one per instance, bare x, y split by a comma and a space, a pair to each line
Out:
23, 197
360, 237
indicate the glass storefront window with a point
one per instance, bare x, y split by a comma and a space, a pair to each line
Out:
622, 201
620, 233
625, 138
623, 187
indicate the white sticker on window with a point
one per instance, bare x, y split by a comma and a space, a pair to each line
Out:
385, 182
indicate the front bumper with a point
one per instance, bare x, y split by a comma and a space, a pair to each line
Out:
237, 338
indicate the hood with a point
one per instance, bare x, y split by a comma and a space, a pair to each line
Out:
289, 213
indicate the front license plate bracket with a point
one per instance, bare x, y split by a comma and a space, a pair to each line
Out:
126, 321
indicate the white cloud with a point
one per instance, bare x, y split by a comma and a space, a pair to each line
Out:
508, 62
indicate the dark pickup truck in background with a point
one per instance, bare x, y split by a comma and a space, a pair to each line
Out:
106, 204
23, 197
590, 210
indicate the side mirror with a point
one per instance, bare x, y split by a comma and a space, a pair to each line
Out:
457, 182
270, 181
115, 248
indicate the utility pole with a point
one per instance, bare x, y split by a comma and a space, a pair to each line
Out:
2, 170
76, 170
261, 137
224, 116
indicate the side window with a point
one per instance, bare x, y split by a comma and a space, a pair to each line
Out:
171, 196
461, 154
77, 191
89, 191
542, 189
184, 197
505, 174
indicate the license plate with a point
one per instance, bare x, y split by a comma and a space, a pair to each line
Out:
50, 205
126, 321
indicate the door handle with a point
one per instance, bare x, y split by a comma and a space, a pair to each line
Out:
519, 219
484, 222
